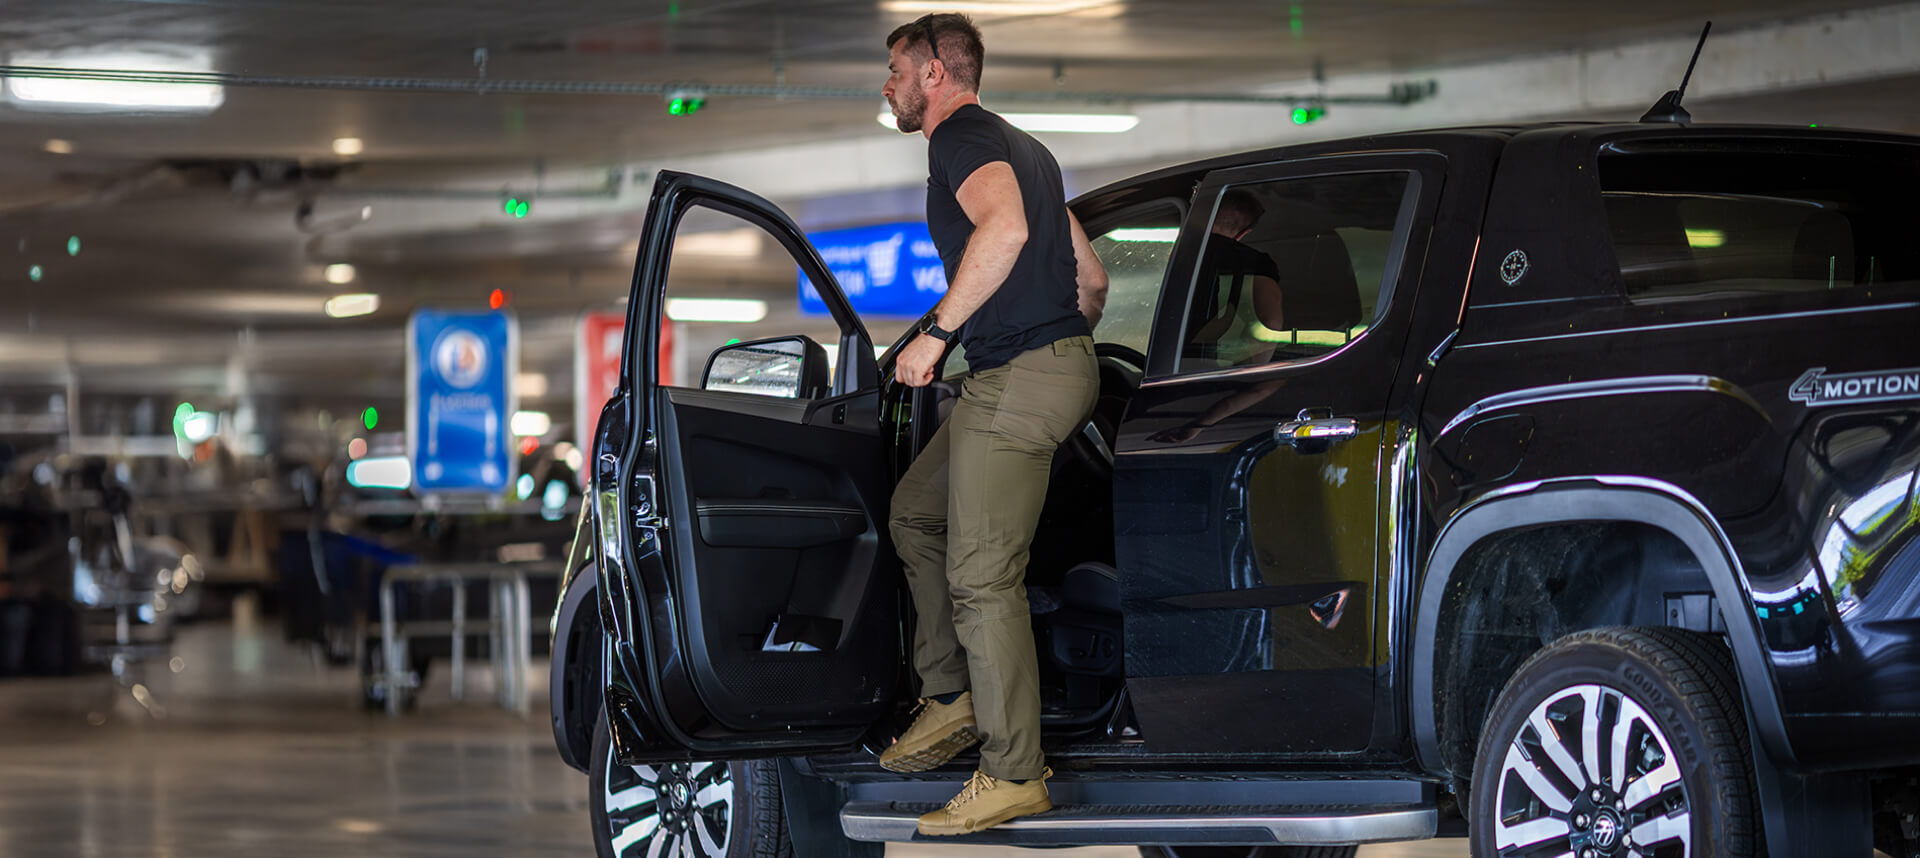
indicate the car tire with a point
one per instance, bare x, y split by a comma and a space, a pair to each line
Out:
711, 810
1248, 851
1676, 782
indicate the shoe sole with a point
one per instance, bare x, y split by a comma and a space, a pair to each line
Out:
935, 755
977, 825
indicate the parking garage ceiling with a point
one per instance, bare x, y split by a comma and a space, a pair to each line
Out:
191, 223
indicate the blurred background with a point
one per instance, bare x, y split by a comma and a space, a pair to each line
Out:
224, 226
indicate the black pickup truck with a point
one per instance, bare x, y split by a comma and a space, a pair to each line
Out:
1572, 509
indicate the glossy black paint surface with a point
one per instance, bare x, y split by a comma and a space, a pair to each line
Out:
1560, 375
1234, 550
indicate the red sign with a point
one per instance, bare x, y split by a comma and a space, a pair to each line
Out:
596, 370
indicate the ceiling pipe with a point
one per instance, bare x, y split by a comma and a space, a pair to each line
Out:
1397, 95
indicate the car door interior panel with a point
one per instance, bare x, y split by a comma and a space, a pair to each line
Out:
789, 549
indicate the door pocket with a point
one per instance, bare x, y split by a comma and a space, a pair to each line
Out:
777, 523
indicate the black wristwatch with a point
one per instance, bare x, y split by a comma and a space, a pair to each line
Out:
928, 327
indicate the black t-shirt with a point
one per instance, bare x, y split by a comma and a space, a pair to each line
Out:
1226, 266
1039, 301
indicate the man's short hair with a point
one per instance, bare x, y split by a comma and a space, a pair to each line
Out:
959, 45
1242, 206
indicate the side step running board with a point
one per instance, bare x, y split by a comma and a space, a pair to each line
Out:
1089, 825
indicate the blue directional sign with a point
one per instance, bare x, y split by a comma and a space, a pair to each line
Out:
460, 400
891, 269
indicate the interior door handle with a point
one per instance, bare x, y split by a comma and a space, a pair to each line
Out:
1315, 424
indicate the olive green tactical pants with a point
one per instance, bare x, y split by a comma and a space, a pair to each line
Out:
963, 518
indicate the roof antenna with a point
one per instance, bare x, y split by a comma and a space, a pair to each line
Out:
1668, 108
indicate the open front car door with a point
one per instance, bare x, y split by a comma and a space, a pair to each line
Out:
750, 592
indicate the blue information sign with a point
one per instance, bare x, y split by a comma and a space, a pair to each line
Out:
460, 400
891, 269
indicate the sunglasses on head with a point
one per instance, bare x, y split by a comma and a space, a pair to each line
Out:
926, 27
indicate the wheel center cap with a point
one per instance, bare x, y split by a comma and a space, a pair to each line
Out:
1606, 829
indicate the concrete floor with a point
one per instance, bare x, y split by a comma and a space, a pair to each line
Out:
264, 754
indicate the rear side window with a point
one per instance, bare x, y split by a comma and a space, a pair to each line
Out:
1720, 222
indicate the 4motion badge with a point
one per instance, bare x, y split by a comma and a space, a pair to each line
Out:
1817, 387
1514, 267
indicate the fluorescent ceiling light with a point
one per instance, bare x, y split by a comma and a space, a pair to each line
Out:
735, 243
340, 274
531, 385
347, 147
70, 94
345, 306
1069, 123
716, 309
1081, 8
58, 146
534, 423
381, 472
1163, 235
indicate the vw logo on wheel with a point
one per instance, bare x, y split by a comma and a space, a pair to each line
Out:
1605, 831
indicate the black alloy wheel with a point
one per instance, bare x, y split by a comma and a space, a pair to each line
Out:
684, 810
1617, 743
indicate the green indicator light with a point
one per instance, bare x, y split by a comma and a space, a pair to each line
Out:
1295, 23
1813, 125
35, 272
370, 417
520, 209
507, 205
677, 108
731, 341
1305, 115
73, 245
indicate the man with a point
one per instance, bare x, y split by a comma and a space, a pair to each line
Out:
1024, 290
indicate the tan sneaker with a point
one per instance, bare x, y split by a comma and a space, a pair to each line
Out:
941, 731
986, 802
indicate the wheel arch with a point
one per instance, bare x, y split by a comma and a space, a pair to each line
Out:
1651, 507
575, 678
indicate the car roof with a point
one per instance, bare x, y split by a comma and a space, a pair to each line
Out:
1436, 138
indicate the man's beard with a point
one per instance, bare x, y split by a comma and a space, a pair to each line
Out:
911, 113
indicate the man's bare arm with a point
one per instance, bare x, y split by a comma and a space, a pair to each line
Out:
1090, 275
1268, 303
991, 198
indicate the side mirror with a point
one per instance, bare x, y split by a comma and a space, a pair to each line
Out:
788, 367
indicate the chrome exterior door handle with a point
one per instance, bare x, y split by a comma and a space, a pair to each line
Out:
1315, 424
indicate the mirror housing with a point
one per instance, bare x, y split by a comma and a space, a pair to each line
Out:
792, 367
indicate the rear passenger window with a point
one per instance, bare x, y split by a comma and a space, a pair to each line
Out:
1719, 223
1293, 268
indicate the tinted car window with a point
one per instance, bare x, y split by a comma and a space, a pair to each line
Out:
1714, 223
1292, 268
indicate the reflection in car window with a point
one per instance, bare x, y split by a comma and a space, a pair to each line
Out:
1291, 268
1689, 225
